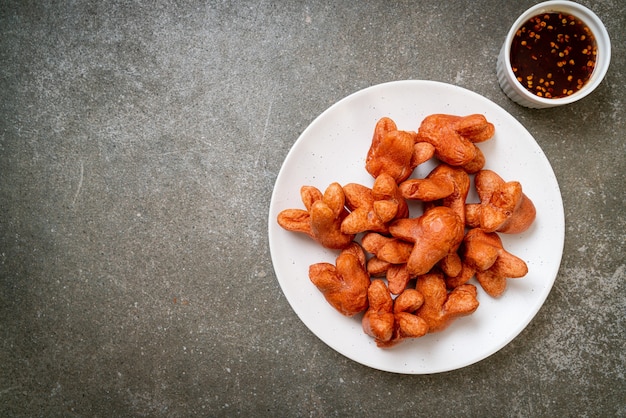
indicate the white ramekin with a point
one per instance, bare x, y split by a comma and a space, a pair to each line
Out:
517, 92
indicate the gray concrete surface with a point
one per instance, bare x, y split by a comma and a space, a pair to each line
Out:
139, 145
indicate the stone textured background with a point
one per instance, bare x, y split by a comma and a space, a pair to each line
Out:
139, 145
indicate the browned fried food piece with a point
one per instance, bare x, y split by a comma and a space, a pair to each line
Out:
363, 216
453, 138
377, 267
388, 199
462, 276
443, 186
484, 252
322, 218
373, 209
394, 151
389, 321
441, 307
378, 321
436, 185
503, 206
408, 324
396, 274
457, 199
390, 258
451, 265
345, 284
458, 178
392, 250
435, 234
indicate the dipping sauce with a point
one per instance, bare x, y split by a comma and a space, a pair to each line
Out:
553, 54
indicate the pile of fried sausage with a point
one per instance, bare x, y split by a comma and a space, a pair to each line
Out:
410, 276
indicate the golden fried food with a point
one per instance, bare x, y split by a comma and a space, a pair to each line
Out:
432, 250
422, 152
377, 267
443, 186
435, 234
457, 199
345, 284
378, 321
436, 185
493, 265
390, 321
394, 151
453, 138
503, 206
451, 265
408, 324
396, 274
356, 250
392, 250
459, 181
387, 195
390, 258
363, 216
373, 209
323, 217
441, 307
464, 274
398, 278
299, 220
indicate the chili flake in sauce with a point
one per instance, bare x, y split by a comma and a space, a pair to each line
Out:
553, 54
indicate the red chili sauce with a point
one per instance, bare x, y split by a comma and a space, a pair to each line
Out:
553, 54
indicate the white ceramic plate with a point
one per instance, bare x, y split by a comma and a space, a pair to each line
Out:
333, 148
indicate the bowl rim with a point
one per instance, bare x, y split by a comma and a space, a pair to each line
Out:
603, 41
